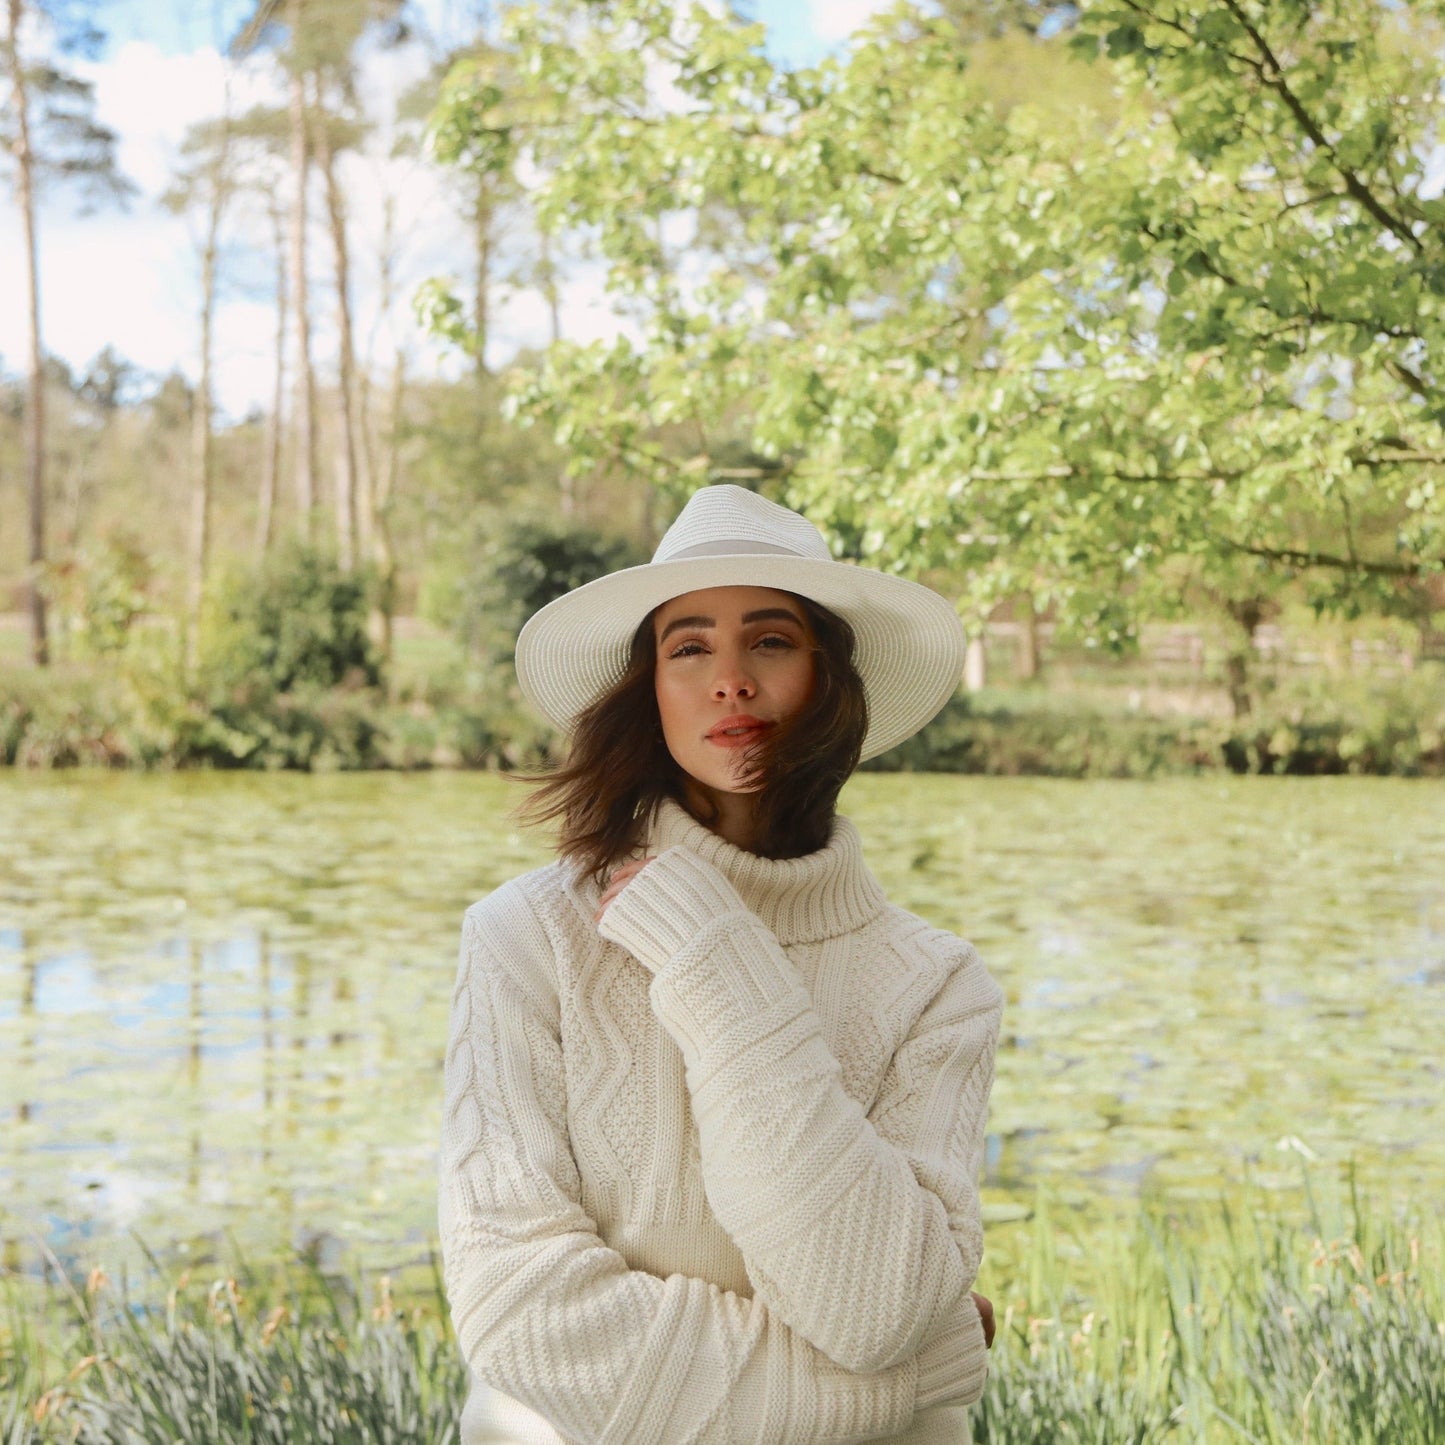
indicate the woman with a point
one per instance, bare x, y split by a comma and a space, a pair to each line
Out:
714, 1108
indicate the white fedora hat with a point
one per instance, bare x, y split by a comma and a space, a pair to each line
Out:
910, 642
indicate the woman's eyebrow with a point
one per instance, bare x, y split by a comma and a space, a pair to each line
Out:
686, 622
772, 614
762, 614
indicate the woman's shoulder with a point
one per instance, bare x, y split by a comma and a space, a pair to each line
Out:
533, 931
553, 896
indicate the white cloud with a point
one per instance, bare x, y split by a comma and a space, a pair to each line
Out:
149, 99
835, 20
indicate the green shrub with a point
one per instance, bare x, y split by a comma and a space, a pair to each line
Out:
1330, 725
287, 678
100, 592
62, 717
1054, 741
510, 568
295, 622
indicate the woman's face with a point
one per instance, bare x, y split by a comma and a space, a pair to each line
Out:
732, 663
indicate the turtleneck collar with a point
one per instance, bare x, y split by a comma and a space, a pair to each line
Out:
801, 900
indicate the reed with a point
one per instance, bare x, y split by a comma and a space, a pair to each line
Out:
1239, 1322
1243, 1321
214, 1365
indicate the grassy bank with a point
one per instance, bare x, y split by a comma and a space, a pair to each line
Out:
1227, 1325
1307, 726
285, 673
131, 717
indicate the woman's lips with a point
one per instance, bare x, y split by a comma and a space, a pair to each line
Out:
737, 732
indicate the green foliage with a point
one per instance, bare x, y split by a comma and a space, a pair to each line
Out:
501, 567
137, 715
101, 591
536, 561
63, 717
1171, 351
69, 144
1318, 727
297, 621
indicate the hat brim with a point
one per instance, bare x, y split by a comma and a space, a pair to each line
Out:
910, 642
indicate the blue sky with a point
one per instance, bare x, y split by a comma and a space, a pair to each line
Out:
799, 31
129, 279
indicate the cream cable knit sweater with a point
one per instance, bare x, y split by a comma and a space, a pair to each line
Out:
711, 1176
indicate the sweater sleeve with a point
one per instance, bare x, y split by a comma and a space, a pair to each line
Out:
862, 1233
544, 1310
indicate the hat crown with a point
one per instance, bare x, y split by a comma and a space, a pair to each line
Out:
725, 520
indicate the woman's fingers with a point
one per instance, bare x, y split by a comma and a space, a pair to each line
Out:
985, 1313
621, 876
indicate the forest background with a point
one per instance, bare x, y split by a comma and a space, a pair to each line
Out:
1117, 323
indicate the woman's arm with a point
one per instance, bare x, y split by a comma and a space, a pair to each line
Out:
550, 1315
863, 1234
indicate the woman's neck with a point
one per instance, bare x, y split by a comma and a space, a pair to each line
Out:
729, 815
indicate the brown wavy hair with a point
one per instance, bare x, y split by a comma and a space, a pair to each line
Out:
618, 769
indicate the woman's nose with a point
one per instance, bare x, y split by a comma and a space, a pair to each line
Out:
732, 679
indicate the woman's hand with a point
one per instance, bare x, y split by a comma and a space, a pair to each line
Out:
985, 1313
621, 876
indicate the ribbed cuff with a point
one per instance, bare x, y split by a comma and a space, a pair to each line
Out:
666, 904
953, 1367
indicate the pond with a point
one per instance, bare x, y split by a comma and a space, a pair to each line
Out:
223, 998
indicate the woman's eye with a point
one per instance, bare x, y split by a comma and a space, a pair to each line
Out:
686, 649
775, 641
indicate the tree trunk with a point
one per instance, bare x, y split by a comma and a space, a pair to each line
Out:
383, 554
380, 480
483, 216
202, 424
547, 273
1028, 638
35, 381
1247, 615
305, 378
365, 465
547, 276
975, 664
271, 462
366, 495
347, 450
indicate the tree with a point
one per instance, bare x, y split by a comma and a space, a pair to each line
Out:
288, 17
260, 142
320, 42
206, 180
1178, 352
271, 463
1287, 215
480, 160
331, 133
50, 131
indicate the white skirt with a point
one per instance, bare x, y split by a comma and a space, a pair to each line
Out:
492, 1418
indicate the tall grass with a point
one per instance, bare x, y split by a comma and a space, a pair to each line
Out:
1231, 1324
1234, 1324
211, 1366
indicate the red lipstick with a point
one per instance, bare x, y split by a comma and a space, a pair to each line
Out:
737, 731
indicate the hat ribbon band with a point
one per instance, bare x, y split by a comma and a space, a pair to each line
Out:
732, 547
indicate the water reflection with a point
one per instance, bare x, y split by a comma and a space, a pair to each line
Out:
223, 1000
